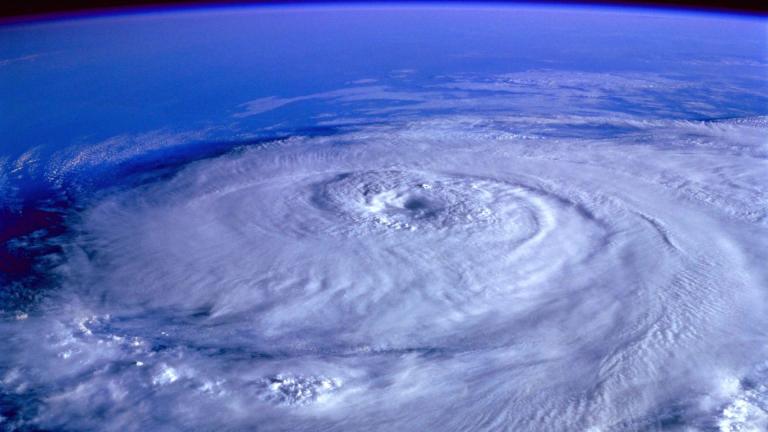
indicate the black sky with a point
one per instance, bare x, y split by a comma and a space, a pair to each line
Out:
27, 8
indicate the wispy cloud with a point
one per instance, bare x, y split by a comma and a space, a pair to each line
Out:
359, 93
21, 59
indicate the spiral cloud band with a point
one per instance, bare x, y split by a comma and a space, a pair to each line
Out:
409, 218
383, 278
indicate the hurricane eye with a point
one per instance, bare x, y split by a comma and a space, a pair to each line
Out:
416, 204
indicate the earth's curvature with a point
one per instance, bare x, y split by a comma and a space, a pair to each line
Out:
410, 218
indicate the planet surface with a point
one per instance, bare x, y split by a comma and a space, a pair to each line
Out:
384, 218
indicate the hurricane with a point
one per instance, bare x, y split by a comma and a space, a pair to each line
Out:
507, 252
